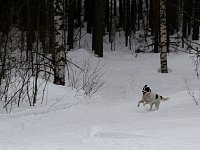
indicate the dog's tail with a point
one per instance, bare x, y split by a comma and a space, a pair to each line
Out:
164, 98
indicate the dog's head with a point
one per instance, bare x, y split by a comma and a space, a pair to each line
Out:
146, 89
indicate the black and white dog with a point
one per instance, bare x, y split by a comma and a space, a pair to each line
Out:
151, 98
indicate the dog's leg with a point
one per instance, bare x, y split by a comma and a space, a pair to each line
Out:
141, 101
145, 102
157, 104
151, 106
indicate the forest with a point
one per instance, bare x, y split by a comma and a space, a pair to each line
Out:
36, 36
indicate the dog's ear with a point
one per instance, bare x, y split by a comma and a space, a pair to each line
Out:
144, 87
147, 89
143, 92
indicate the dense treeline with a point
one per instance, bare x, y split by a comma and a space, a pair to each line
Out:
35, 35
111, 15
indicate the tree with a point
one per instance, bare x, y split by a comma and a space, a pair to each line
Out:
59, 50
79, 10
140, 13
70, 39
155, 23
186, 18
121, 13
31, 24
127, 21
107, 17
133, 15
195, 34
89, 14
172, 16
163, 37
98, 27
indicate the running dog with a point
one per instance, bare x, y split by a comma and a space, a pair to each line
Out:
144, 97
151, 98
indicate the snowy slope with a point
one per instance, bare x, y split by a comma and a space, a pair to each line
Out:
111, 119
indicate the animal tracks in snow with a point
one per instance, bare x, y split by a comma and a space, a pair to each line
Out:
102, 133
120, 135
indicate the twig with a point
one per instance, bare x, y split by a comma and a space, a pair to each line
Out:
191, 93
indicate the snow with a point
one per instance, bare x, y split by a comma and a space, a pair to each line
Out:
111, 120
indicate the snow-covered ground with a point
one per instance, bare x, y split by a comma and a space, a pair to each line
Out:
111, 120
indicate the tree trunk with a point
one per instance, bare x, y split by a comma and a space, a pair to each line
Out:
98, 28
155, 23
59, 51
163, 37
186, 18
140, 15
79, 12
195, 35
51, 35
121, 14
127, 21
172, 16
184, 26
70, 39
133, 15
111, 21
107, 17
115, 8
89, 15
30, 34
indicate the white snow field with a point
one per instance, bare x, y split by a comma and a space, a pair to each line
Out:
111, 120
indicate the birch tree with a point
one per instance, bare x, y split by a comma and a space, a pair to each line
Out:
59, 50
163, 37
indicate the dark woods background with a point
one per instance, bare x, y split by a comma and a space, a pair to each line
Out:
99, 17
